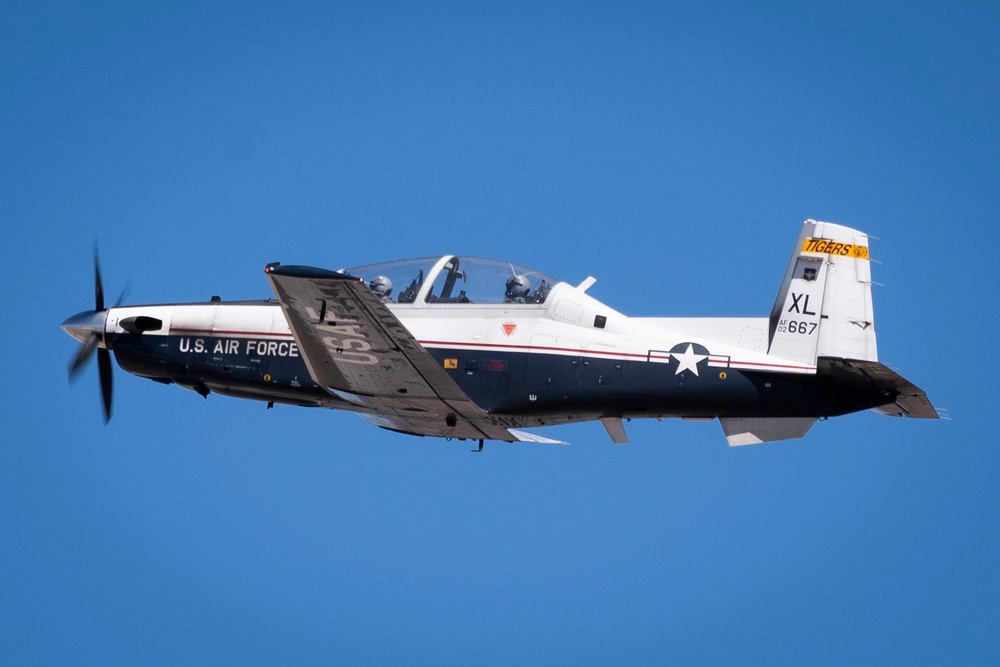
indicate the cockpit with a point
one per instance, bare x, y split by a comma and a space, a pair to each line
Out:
455, 280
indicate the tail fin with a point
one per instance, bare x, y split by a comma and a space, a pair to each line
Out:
824, 306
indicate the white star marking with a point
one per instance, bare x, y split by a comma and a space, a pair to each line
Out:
688, 361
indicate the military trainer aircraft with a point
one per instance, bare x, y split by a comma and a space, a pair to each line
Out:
479, 349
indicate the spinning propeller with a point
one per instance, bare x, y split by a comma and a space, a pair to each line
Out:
88, 328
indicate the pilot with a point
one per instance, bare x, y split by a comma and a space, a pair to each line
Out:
517, 290
382, 287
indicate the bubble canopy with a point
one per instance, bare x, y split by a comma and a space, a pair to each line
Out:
455, 280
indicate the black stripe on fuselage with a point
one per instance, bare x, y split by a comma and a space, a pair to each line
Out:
532, 384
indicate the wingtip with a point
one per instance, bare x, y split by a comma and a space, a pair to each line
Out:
524, 436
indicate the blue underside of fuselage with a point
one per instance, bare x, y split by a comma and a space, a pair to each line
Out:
530, 384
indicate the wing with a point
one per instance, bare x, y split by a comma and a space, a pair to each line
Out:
755, 430
359, 351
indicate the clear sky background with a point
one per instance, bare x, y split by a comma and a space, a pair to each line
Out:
672, 151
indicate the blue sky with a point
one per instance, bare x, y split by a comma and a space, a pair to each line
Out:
670, 151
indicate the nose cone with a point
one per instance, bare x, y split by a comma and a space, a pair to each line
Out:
86, 324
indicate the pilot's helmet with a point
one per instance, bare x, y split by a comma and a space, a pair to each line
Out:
381, 286
517, 287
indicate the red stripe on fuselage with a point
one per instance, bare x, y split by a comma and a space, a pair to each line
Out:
532, 348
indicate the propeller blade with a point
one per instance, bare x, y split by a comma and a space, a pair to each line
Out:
89, 328
82, 357
98, 284
104, 367
124, 294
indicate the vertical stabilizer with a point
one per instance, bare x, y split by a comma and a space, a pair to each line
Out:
824, 306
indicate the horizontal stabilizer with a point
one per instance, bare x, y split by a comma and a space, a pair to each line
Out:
911, 401
755, 430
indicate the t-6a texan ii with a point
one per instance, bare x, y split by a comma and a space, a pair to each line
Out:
480, 349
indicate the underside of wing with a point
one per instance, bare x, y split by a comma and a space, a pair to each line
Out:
755, 430
359, 351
